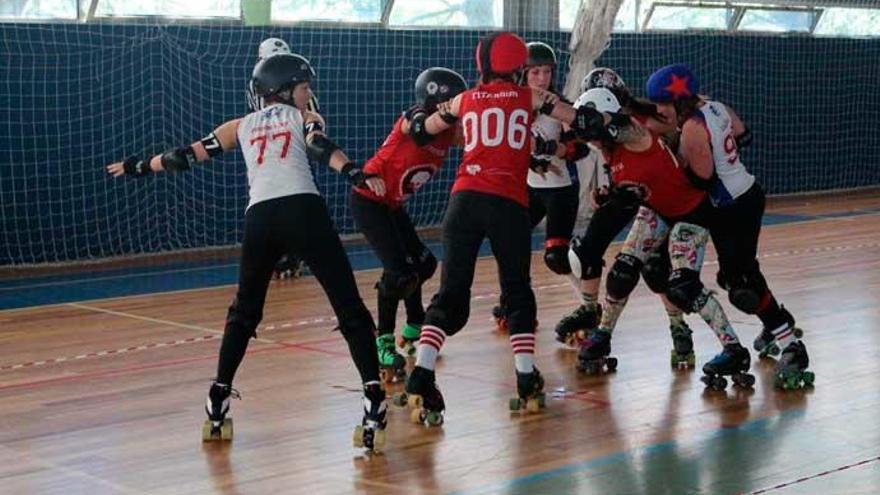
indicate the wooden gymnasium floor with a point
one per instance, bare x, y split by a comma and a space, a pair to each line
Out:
106, 397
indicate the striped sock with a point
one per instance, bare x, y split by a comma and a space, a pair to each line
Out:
784, 335
591, 301
676, 317
430, 342
523, 345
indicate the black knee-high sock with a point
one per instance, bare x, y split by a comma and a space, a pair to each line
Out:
387, 314
362, 346
232, 350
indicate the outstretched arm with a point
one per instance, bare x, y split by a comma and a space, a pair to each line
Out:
323, 150
222, 139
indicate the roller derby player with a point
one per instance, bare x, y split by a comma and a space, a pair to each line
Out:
489, 199
397, 170
645, 172
285, 214
712, 136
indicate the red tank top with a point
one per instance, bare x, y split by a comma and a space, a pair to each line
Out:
405, 166
667, 188
496, 119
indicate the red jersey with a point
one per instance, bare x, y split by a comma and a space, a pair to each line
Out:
667, 189
496, 119
405, 166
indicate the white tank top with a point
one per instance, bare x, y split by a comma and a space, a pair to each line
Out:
274, 150
734, 179
549, 129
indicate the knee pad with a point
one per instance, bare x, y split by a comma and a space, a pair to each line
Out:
686, 291
556, 256
449, 311
583, 266
397, 285
721, 280
355, 318
656, 272
245, 316
426, 266
746, 291
623, 276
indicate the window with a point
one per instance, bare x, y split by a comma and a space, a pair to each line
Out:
444, 13
38, 9
849, 22
169, 8
327, 10
777, 21
674, 17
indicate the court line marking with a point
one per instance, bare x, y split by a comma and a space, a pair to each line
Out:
817, 475
309, 345
850, 217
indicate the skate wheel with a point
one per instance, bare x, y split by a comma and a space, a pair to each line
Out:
719, 383
534, 405
212, 433
399, 400
691, 360
385, 375
744, 380
415, 401
515, 403
434, 418
809, 377
611, 364
798, 333
378, 441
416, 416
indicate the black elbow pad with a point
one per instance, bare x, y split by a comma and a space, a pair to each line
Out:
418, 130
699, 182
744, 139
178, 159
320, 148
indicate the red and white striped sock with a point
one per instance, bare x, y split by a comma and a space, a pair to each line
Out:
430, 342
523, 345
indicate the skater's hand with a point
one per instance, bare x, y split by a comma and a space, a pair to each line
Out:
376, 184
599, 197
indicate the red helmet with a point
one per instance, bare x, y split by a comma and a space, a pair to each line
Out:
501, 53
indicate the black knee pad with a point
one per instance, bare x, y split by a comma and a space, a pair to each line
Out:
448, 311
746, 290
686, 290
397, 285
721, 280
584, 265
656, 273
556, 256
426, 265
355, 318
520, 309
623, 276
244, 316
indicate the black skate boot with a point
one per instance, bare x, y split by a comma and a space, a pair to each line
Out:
423, 396
218, 426
576, 326
530, 392
370, 434
593, 356
682, 355
766, 344
791, 369
735, 361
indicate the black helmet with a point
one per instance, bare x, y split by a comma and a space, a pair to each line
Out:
541, 54
280, 72
438, 84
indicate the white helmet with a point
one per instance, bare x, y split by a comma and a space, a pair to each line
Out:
602, 99
272, 46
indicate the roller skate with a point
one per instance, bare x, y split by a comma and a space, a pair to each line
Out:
498, 312
423, 397
409, 338
593, 356
391, 363
218, 426
766, 344
370, 434
791, 369
682, 355
734, 360
575, 327
288, 267
530, 392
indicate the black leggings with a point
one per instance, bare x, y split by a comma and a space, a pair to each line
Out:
559, 205
391, 234
607, 221
298, 224
471, 217
735, 232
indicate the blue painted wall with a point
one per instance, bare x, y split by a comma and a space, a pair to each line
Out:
76, 97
